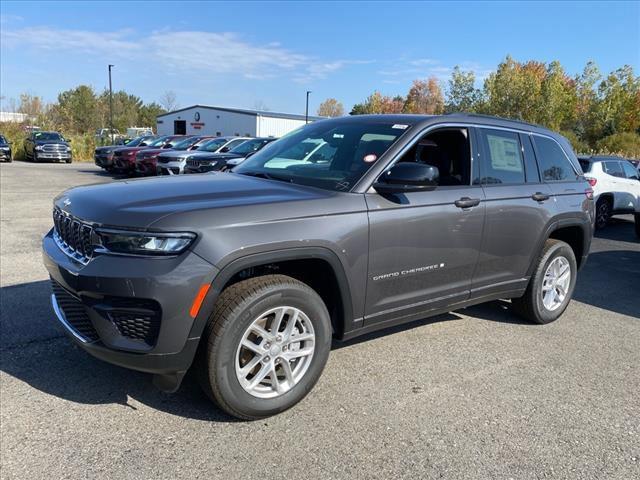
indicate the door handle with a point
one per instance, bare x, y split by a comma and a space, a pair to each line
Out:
540, 197
466, 202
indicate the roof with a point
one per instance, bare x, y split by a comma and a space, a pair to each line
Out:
255, 113
600, 158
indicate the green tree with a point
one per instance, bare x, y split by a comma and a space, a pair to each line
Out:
462, 95
148, 113
77, 109
618, 106
559, 99
378, 103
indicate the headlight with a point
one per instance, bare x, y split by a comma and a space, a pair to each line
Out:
143, 243
38, 147
68, 149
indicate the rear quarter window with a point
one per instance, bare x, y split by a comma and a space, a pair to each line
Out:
554, 164
586, 165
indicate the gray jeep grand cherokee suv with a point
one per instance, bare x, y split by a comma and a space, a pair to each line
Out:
248, 275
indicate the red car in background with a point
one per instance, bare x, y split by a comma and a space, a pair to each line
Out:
146, 160
124, 159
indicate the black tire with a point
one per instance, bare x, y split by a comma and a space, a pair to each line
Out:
236, 308
68, 160
637, 219
603, 212
530, 305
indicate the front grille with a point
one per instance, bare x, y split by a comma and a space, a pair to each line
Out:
74, 313
54, 148
193, 163
73, 236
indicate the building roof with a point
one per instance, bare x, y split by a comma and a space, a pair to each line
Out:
255, 113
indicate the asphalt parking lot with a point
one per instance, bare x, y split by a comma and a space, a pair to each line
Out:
471, 394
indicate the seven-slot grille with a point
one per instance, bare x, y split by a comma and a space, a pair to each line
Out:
73, 236
54, 148
74, 313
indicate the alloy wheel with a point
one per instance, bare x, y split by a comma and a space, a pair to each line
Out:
556, 282
275, 352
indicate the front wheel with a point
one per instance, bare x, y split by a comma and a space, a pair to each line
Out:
68, 160
265, 346
551, 286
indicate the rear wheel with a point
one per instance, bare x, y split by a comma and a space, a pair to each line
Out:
265, 346
551, 286
637, 219
603, 212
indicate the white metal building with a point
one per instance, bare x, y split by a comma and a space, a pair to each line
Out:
208, 120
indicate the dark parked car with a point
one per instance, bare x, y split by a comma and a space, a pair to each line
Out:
210, 162
103, 156
173, 163
5, 150
47, 146
146, 160
249, 275
124, 159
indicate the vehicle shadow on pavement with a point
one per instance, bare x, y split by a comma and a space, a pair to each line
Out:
35, 350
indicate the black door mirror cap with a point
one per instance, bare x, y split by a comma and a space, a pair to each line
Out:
408, 177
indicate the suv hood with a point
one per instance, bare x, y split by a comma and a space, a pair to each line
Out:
213, 156
139, 203
171, 154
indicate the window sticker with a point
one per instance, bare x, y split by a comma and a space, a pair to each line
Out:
370, 158
400, 126
504, 154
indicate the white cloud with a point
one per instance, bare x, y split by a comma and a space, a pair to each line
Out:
408, 69
217, 53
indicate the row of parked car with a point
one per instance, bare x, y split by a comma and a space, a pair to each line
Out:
177, 154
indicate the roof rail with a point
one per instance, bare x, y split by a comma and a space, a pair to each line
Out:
482, 115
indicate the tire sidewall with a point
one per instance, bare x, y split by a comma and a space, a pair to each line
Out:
222, 359
557, 250
603, 203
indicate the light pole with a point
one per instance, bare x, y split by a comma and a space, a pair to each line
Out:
110, 106
306, 111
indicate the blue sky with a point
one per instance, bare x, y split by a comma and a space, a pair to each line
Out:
245, 54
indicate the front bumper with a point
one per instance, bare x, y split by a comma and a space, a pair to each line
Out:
146, 167
124, 165
108, 305
52, 156
170, 168
103, 161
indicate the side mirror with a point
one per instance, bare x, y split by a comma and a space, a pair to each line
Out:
408, 177
224, 149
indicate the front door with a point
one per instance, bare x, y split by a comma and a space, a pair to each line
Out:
179, 127
424, 247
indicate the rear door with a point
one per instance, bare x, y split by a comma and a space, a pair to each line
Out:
632, 181
423, 247
518, 207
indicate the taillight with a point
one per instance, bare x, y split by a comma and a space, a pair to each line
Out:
592, 181
589, 192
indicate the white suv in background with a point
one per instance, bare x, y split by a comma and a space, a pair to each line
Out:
616, 187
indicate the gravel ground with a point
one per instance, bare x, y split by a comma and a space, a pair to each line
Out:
472, 394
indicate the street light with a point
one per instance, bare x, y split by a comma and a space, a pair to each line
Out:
306, 111
110, 106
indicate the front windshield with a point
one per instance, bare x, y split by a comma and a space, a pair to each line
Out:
136, 142
249, 146
184, 144
331, 154
53, 136
2, 140
212, 145
158, 142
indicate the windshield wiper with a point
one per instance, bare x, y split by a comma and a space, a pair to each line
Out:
268, 176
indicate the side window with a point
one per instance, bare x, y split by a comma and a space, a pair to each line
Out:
449, 150
554, 164
530, 165
630, 171
502, 161
614, 169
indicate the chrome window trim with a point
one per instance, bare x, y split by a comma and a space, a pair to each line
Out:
429, 128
